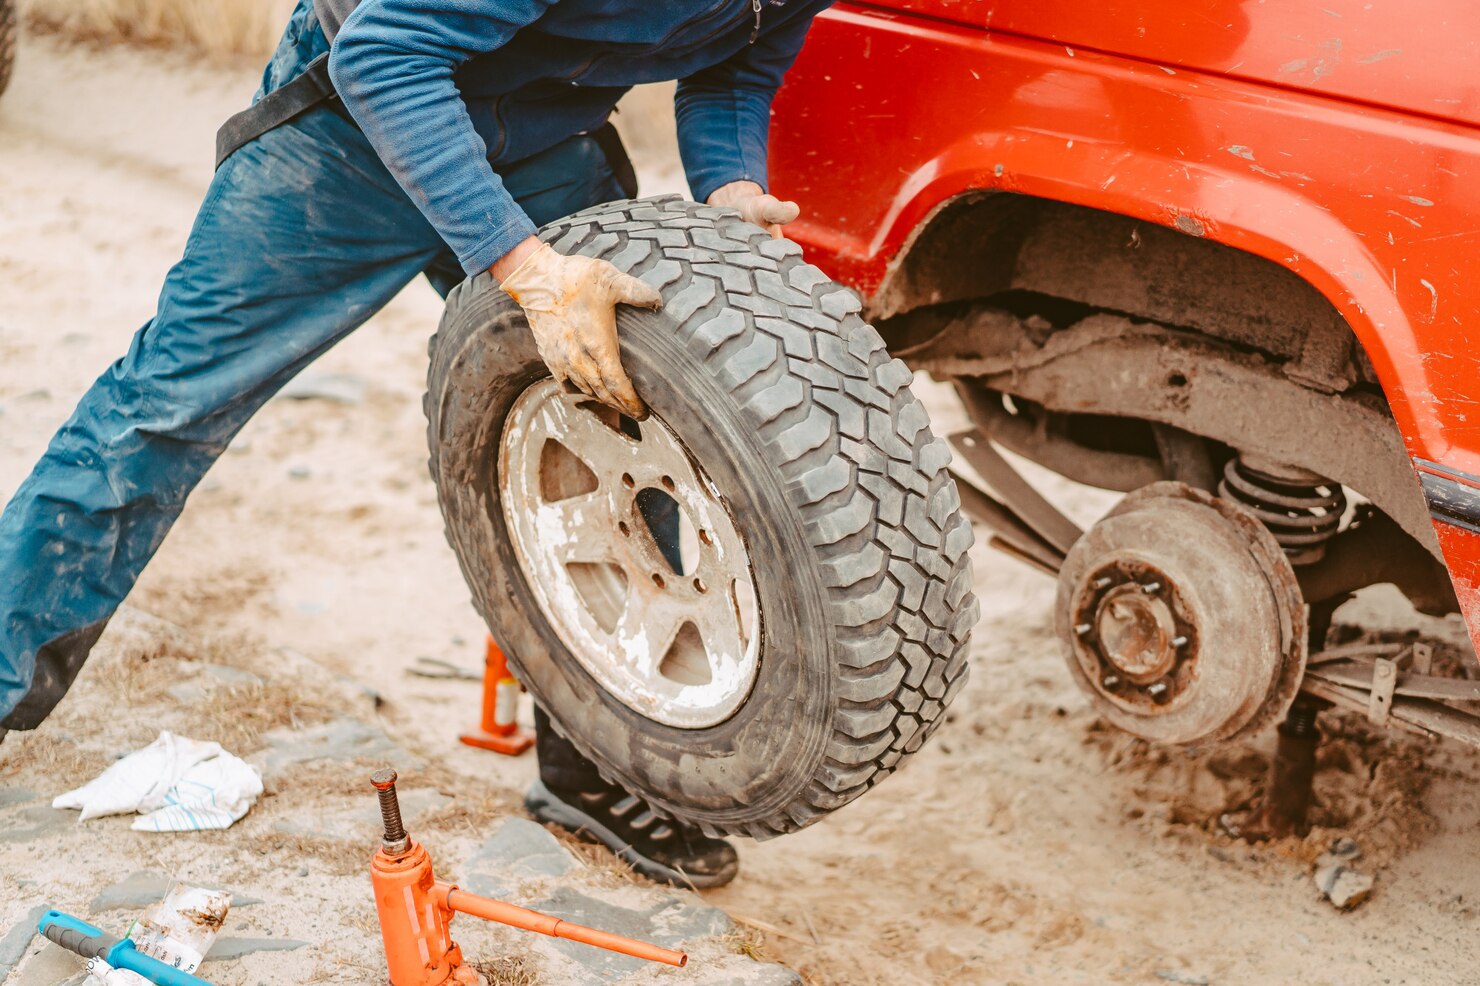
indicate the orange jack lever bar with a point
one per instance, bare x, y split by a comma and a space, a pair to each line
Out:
454, 899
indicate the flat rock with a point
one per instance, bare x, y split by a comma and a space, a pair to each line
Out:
227, 949
1343, 886
50, 965
16, 796
229, 675
337, 388
17, 939
1184, 978
342, 739
146, 887
520, 850
36, 823
670, 922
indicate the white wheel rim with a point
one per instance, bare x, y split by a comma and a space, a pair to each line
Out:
679, 648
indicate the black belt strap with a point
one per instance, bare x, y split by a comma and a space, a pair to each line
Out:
276, 108
610, 142
314, 87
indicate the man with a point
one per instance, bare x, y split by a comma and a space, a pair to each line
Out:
461, 125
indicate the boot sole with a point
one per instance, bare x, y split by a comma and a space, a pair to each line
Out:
546, 807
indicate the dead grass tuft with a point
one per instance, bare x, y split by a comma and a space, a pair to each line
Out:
509, 970
220, 29
60, 761
237, 716
472, 814
748, 941
341, 858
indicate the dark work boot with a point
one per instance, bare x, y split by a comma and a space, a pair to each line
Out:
658, 849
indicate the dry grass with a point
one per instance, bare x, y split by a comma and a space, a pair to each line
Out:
509, 970
339, 857
220, 29
59, 760
237, 716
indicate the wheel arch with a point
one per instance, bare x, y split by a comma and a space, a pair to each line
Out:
960, 220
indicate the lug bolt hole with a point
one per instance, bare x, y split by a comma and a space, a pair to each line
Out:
658, 581
668, 484
622, 526
700, 586
705, 538
627, 480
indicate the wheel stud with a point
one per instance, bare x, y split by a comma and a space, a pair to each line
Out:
1157, 690
1083, 629
1179, 641
1102, 582
1151, 588
1110, 681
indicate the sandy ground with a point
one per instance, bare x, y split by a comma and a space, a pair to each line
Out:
1026, 845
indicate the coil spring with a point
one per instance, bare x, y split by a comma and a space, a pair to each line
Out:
1302, 516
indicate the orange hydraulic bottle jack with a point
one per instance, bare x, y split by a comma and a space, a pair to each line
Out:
416, 910
499, 728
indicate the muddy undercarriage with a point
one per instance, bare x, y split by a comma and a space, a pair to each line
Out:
1268, 480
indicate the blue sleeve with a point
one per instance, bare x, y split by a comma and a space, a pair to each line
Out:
724, 112
392, 64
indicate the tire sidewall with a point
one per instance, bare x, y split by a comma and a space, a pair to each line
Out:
758, 760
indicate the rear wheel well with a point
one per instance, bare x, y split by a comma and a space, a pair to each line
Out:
1061, 261
1118, 353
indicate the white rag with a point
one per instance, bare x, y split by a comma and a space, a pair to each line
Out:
175, 784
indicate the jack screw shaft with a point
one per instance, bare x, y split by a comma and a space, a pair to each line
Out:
395, 838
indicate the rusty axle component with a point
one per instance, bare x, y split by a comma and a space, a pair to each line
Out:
1290, 789
416, 910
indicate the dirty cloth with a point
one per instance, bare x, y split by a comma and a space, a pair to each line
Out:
303, 235
175, 785
532, 72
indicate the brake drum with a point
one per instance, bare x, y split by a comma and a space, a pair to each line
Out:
1181, 617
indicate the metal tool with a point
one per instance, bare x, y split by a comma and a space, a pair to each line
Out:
76, 935
416, 910
435, 667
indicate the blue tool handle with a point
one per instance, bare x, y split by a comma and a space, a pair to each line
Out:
125, 956
76, 935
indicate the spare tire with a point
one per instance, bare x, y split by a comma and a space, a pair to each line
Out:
820, 628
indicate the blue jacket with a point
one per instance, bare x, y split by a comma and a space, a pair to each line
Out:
530, 73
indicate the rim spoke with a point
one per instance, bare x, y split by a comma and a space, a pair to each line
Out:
578, 529
646, 630
720, 629
586, 437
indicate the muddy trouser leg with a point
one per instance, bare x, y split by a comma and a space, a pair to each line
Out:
301, 237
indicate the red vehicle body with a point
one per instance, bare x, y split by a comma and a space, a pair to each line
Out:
1339, 141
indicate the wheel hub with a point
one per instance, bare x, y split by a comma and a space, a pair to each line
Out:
1135, 629
1182, 617
669, 630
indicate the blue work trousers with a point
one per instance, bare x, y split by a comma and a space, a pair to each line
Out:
302, 237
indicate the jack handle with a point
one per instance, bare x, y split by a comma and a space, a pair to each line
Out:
450, 897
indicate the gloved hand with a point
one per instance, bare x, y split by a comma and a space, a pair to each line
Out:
755, 205
571, 306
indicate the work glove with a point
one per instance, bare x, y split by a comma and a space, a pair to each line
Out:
756, 206
571, 306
